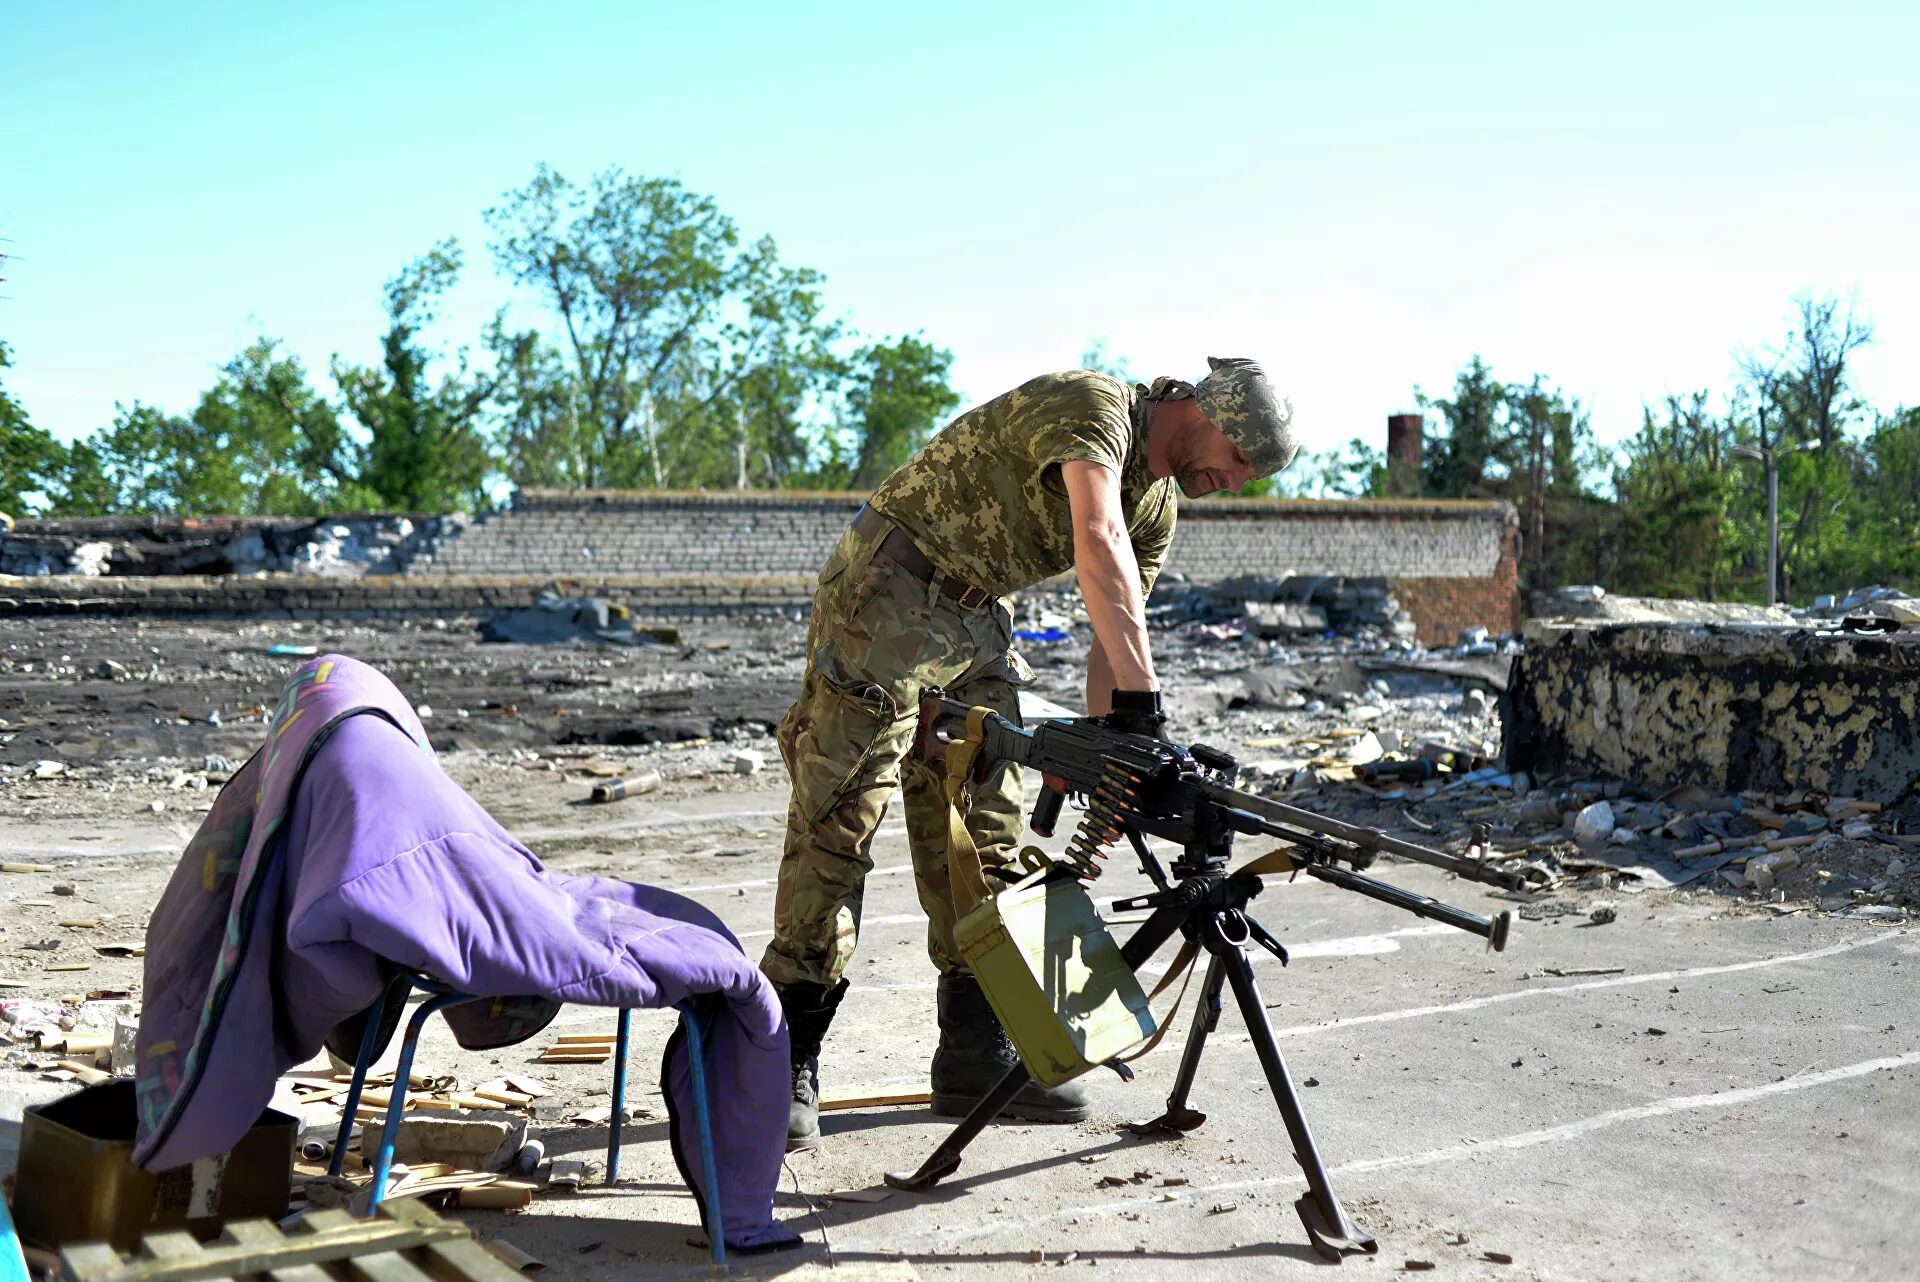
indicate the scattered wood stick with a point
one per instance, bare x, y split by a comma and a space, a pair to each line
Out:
834, 1100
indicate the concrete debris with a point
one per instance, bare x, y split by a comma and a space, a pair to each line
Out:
126, 1033
336, 547
745, 761
470, 1141
1298, 604
562, 620
1593, 826
1272, 619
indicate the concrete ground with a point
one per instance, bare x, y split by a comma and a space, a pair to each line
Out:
1741, 1101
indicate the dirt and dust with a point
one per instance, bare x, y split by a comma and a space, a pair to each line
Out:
1454, 1091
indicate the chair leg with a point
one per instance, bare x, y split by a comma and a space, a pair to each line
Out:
13, 1261
396, 990
619, 1095
702, 1116
383, 1161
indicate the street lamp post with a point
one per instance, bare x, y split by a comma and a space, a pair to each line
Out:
1769, 456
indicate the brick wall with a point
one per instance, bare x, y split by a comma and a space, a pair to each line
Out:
297, 596
1443, 608
1453, 565
640, 532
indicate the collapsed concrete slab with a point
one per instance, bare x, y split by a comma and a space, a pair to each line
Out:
1730, 707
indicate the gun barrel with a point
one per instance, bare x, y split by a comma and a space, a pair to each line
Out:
1354, 834
1492, 929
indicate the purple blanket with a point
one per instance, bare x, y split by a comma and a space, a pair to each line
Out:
341, 844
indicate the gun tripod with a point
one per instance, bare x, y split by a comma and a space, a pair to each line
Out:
1208, 907
1139, 787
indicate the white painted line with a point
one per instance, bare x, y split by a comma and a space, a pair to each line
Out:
1640, 1112
891, 919
657, 820
891, 870
1561, 990
1345, 946
1431, 1157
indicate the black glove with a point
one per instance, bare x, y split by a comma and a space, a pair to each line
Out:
1137, 712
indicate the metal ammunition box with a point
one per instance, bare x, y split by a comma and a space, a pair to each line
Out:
1055, 977
76, 1180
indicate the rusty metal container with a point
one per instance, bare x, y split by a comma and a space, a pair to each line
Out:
76, 1180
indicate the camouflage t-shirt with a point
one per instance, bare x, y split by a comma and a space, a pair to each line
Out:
984, 498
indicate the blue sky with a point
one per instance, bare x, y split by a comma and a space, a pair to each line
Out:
1361, 195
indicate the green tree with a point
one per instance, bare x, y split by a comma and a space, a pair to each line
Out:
1478, 435
30, 459
426, 450
1672, 497
1554, 443
1097, 358
686, 357
85, 488
898, 398
535, 425
1889, 543
260, 442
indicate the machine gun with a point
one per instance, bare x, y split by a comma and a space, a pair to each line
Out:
1138, 787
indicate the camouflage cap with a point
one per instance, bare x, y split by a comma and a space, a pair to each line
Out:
1237, 398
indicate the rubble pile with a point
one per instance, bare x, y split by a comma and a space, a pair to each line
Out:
1892, 604
1299, 605
334, 547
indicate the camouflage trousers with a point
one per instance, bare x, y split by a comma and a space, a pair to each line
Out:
878, 636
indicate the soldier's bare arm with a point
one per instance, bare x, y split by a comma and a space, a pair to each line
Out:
1099, 681
1110, 583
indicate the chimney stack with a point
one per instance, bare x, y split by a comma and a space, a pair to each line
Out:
1404, 445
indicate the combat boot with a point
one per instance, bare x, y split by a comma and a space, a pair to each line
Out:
809, 1009
975, 1053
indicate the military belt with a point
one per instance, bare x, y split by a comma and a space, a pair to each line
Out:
903, 552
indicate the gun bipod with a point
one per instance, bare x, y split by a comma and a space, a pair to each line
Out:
1212, 910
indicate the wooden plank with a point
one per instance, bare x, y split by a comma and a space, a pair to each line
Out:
528, 1086
175, 1244
387, 1266
318, 1237
88, 1261
501, 1195
261, 1233
460, 1257
574, 1039
833, 1100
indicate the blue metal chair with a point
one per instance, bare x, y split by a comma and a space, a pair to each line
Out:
442, 996
13, 1262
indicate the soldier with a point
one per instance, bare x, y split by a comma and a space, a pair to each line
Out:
1069, 470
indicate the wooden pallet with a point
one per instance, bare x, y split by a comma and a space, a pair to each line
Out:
406, 1242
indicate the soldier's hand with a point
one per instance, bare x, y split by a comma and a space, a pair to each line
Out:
1137, 712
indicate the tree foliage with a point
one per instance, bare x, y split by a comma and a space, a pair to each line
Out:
669, 352
261, 440
1672, 512
426, 448
31, 461
684, 358
897, 400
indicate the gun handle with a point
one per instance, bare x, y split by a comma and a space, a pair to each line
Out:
1046, 807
